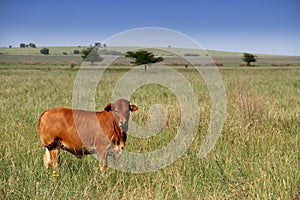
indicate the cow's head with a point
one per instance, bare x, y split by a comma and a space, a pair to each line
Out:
121, 112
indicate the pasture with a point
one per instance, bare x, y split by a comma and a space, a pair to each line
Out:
257, 156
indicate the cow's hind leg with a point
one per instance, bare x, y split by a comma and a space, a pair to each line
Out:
47, 159
54, 161
51, 157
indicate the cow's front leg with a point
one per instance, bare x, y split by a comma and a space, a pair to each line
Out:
102, 157
103, 167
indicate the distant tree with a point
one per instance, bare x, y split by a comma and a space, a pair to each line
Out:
143, 57
10, 46
97, 44
249, 58
91, 54
22, 45
32, 45
104, 45
44, 51
76, 51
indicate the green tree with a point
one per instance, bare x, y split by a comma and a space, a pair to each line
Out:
91, 54
143, 57
76, 51
44, 51
32, 45
249, 58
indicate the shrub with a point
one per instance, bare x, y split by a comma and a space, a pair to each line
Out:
218, 64
191, 54
32, 45
72, 64
76, 51
276, 65
44, 51
91, 55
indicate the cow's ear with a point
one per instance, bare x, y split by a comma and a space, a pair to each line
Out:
109, 107
133, 108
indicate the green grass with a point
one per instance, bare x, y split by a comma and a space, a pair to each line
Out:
257, 156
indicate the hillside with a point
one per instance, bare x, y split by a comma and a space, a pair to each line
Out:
66, 56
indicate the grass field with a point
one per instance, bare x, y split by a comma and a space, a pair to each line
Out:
257, 156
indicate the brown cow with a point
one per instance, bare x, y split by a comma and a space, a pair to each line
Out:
83, 132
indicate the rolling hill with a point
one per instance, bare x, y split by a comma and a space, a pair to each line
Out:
173, 56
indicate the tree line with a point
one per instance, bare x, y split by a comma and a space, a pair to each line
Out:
142, 57
23, 45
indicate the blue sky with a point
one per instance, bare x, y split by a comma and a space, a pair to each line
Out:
256, 26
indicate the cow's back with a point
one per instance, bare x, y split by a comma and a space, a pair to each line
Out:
58, 124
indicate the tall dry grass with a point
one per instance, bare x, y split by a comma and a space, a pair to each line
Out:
257, 156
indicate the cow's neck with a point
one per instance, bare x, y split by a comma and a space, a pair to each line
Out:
113, 131
117, 129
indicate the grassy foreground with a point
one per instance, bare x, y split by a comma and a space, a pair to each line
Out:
257, 157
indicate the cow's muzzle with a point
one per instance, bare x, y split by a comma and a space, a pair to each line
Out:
123, 125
